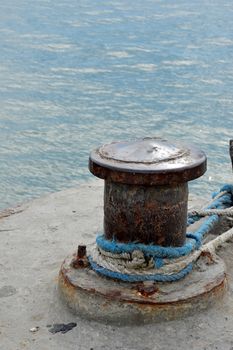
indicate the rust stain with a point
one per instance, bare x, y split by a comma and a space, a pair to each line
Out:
134, 213
65, 280
80, 259
170, 176
209, 256
217, 290
113, 294
146, 291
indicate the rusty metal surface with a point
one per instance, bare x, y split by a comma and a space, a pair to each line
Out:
102, 299
146, 190
150, 161
80, 260
231, 151
146, 214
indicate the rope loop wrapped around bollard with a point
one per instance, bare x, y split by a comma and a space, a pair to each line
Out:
137, 262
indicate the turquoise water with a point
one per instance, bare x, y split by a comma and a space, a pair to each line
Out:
76, 74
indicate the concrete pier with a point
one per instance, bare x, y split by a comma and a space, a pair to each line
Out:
35, 238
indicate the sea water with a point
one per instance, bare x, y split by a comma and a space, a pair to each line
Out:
77, 74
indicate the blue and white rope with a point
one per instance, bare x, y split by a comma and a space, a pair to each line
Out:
168, 263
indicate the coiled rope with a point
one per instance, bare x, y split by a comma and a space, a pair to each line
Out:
136, 262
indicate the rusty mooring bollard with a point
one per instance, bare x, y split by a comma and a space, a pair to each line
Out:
146, 189
145, 201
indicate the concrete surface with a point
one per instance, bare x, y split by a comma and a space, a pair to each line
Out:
35, 239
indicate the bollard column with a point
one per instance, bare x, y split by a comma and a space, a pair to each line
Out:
146, 189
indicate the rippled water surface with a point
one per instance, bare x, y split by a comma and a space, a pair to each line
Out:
76, 74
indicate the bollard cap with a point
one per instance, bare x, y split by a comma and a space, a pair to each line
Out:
148, 161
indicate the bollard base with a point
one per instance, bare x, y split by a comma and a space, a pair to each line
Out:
98, 298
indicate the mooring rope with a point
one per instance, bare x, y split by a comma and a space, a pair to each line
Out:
219, 212
134, 262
